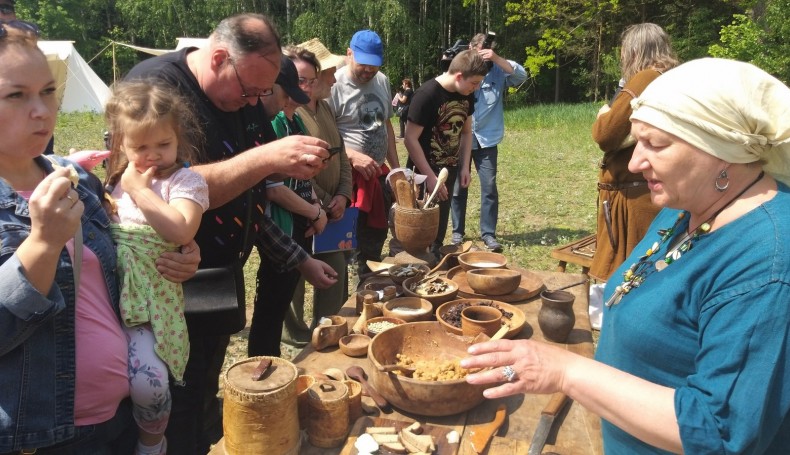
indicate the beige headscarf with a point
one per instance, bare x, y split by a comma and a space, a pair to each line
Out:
732, 110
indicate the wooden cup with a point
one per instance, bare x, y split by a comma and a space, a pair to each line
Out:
480, 319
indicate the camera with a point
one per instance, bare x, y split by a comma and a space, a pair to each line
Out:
489, 41
449, 54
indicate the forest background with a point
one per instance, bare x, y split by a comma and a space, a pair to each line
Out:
570, 47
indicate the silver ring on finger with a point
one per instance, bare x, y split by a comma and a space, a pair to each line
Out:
509, 373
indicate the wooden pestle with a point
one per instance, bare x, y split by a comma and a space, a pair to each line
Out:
370, 309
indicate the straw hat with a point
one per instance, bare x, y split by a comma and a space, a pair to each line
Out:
325, 58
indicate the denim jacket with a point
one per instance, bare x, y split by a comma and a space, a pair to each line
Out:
37, 343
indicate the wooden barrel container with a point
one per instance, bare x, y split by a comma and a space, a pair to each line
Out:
328, 421
303, 383
416, 229
354, 400
260, 416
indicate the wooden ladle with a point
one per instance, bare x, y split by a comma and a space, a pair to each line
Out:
440, 179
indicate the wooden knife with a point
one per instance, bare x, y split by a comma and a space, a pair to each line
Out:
482, 434
555, 405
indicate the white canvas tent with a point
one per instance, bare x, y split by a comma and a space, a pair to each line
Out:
190, 42
79, 88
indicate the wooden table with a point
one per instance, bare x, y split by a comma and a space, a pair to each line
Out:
575, 431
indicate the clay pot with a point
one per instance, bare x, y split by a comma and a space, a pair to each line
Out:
482, 260
493, 281
480, 319
556, 318
416, 229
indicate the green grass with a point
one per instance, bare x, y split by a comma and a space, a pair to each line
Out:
547, 169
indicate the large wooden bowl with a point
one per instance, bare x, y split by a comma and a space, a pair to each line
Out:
421, 341
482, 260
493, 281
435, 299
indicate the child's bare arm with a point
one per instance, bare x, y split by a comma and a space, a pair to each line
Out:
176, 222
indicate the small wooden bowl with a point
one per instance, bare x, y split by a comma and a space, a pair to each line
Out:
493, 281
355, 345
371, 333
414, 309
435, 299
417, 270
482, 260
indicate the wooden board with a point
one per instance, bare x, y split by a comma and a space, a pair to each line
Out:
530, 286
439, 435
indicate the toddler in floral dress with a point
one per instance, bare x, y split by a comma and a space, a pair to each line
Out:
157, 204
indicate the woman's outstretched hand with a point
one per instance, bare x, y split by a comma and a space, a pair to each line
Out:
532, 367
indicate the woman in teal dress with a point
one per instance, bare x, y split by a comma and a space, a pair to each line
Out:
694, 353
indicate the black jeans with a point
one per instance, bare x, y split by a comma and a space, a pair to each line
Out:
117, 436
272, 300
196, 417
402, 122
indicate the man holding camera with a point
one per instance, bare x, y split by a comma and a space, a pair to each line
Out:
489, 129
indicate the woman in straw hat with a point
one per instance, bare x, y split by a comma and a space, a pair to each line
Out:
316, 67
694, 354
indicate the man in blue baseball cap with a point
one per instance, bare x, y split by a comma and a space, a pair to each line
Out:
361, 102
367, 48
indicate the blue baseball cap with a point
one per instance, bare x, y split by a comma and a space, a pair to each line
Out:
367, 48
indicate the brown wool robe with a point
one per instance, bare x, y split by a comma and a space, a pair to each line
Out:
631, 208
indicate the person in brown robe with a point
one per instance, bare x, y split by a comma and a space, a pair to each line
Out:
624, 207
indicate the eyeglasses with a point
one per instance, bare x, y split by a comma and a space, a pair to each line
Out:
244, 93
305, 82
27, 27
7, 9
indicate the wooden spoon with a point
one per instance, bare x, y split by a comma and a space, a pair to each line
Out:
464, 248
442, 177
357, 373
398, 367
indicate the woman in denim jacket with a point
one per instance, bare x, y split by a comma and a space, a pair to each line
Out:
63, 368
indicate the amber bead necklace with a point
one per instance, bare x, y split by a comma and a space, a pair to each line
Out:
635, 275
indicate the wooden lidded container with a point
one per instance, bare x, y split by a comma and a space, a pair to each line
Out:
260, 416
328, 423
